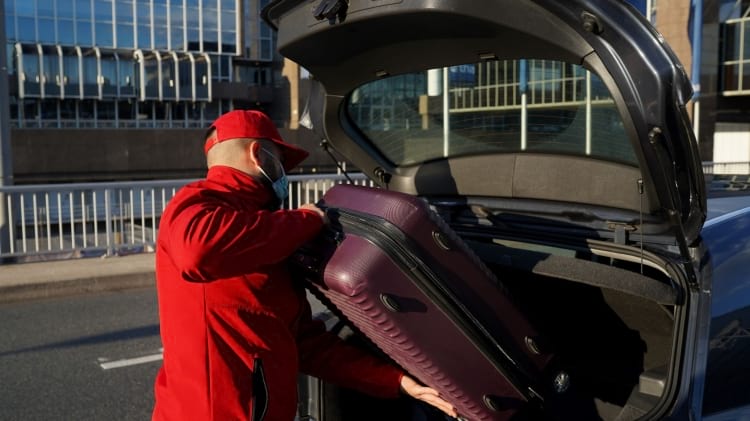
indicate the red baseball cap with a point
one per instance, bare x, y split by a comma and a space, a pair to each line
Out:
254, 125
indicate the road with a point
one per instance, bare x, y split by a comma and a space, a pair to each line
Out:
89, 357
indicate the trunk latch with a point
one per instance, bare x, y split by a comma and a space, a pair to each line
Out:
622, 231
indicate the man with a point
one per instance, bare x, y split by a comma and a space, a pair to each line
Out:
235, 328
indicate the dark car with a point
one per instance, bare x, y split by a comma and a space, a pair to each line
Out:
541, 131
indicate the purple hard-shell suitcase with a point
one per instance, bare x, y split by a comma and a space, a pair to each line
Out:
400, 275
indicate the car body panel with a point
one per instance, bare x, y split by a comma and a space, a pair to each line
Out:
727, 239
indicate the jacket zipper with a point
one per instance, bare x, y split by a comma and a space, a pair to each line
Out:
260, 392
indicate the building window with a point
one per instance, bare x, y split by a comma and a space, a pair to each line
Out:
108, 77
51, 78
29, 113
228, 26
10, 27
46, 31
24, 8
10, 57
177, 26
212, 110
65, 32
151, 72
83, 10
169, 80
221, 67
210, 26
195, 114
144, 37
193, 26
126, 113
68, 113
71, 76
266, 50
50, 113
185, 66
124, 12
65, 9
106, 114
104, 36
26, 31
125, 37
103, 10
14, 112
735, 48
30, 78
161, 40
248, 27
143, 23
126, 77
90, 75
203, 76
83, 33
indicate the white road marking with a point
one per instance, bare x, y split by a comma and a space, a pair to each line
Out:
107, 365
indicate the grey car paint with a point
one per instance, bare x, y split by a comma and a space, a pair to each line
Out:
652, 90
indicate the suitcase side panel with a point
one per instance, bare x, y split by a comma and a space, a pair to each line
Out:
418, 335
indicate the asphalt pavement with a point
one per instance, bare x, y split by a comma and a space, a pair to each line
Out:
26, 281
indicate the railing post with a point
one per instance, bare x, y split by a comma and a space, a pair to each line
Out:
108, 221
6, 170
5, 232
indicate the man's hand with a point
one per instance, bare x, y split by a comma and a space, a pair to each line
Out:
426, 394
310, 206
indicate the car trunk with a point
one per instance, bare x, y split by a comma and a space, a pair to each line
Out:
612, 311
615, 345
609, 314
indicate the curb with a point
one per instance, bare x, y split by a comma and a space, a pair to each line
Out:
54, 289
57, 278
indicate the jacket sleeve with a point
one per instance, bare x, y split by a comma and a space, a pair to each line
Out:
210, 242
326, 356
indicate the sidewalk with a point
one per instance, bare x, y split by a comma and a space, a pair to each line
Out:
24, 281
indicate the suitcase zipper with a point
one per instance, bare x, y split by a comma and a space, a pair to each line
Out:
389, 238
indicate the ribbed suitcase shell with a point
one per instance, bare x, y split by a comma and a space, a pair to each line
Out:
401, 276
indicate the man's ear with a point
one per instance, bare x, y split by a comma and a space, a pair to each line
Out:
254, 149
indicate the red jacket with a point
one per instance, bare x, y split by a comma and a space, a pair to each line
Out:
235, 328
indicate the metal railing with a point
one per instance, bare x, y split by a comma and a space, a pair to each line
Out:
60, 221
734, 168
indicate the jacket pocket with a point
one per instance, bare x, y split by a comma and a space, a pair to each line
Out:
260, 392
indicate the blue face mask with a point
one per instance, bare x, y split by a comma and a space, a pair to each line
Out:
281, 185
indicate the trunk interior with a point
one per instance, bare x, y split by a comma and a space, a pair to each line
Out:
615, 346
604, 339
614, 342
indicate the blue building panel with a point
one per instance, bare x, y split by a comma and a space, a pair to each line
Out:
129, 63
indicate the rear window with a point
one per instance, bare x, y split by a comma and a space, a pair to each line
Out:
492, 107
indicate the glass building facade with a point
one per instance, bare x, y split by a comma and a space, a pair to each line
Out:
134, 63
